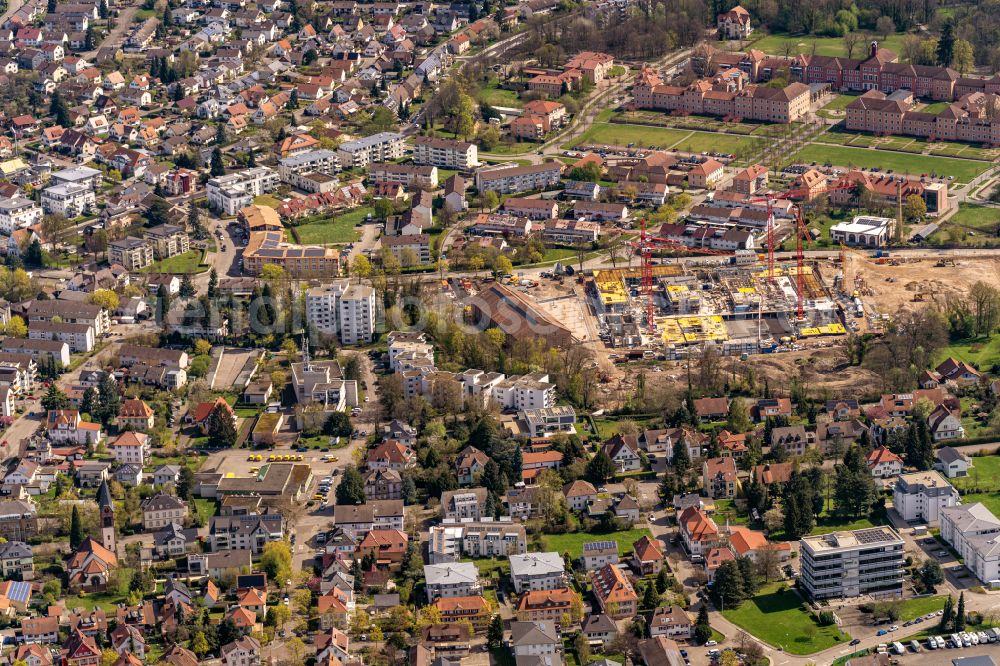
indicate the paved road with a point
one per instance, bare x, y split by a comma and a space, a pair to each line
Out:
116, 37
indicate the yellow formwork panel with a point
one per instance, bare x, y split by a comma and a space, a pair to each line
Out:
691, 330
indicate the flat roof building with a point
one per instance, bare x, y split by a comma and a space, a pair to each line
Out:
851, 564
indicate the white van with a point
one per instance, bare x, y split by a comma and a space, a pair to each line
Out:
956, 640
898, 648
915, 646
931, 643
883, 648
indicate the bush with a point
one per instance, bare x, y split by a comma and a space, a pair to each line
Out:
826, 618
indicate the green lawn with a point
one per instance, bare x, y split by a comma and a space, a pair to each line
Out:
87, 601
914, 608
558, 254
983, 475
979, 352
267, 200
606, 428
935, 107
825, 46
840, 102
495, 96
206, 507
962, 170
726, 509
779, 617
188, 262
487, 566
977, 217
338, 228
573, 542
620, 134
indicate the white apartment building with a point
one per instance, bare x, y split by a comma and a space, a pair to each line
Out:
17, 213
478, 385
507, 180
131, 252
381, 147
548, 420
537, 571
453, 579
974, 532
445, 153
321, 306
531, 391
407, 349
922, 495
407, 175
357, 314
234, 191
79, 337
68, 200
851, 564
597, 554
453, 539
81, 175
313, 161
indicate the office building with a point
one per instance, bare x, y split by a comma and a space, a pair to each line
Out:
850, 564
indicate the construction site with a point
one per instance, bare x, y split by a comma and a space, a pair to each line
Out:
742, 308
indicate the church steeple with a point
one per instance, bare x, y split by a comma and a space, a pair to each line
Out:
107, 507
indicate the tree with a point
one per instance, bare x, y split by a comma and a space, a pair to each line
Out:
187, 289
34, 256
88, 404
105, 298
738, 419
947, 614
502, 266
59, 110
960, 614
582, 647
16, 328
984, 300
682, 459
963, 56
54, 398
199, 644
729, 586
383, 209
774, 518
221, 429
352, 487
702, 629
799, 516
361, 267
851, 41
217, 168
338, 424
650, 598
600, 468
489, 200
915, 208
494, 634
75, 529
931, 574
946, 44
158, 212
667, 488
276, 561
884, 26
277, 615
854, 489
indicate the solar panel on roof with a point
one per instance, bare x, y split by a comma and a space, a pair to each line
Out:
871, 536
600, 545
19, 592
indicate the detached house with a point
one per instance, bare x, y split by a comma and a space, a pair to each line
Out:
951, 462
719, 478
884, 464
624, 452
945, 423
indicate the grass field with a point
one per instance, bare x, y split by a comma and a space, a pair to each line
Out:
266, 200
984, 353
500, 97
825, 46
778, 617
935, 107
620, 134
573, 542
607, 428
335, 229
188, 262
914, 608
983, 475
963, 170
558, 254
977, 217
840, 102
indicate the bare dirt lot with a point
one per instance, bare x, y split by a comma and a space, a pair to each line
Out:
921, 279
